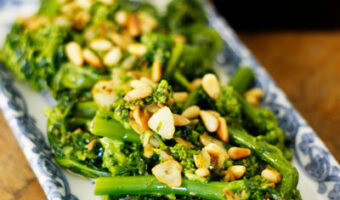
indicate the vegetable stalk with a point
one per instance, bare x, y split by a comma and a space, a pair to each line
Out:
150, 185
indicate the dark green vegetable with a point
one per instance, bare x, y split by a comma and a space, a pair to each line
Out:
271, 155
105, 125
242, 80
150, 185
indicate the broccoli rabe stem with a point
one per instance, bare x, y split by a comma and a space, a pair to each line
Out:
175, 56
242, 80
150, 185
86, 109
81, 168
181, 79
104, 125
270, 154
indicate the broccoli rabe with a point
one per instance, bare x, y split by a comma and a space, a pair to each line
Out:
123, 159
185, 156
183, 13
34, 56
228, 105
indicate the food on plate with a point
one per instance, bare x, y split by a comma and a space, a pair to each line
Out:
140, 107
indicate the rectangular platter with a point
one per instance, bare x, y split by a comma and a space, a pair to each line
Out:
23, 110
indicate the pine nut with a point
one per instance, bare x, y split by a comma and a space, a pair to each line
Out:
210, 122
100, 44
121, 17
122, 40
236, 153
138, 83
137, 49
103, 93
196, 83
156, 70
179, 120
180, 97
74, 53
222, 131
254, 95
113, 57
80, 20
185, 143
202, 172
146, 21
238, 171
138, 93
211, 85
91, 58
191, 112
271, 175
133, 26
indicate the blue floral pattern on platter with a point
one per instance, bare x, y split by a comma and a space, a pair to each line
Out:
310, 153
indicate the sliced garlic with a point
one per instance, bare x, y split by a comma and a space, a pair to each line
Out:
162, 122
169, 173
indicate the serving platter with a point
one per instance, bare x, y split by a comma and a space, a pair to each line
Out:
23, 109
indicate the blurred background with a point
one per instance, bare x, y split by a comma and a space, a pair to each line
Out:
298, 42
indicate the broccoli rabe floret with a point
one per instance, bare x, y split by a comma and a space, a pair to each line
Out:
33, 56
183, 13
228, 105
185, 156
123, 159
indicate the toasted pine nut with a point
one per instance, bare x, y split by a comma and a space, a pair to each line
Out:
196, 83
202, 172
122, 40
113, 56
121, 17
216, 114
146, 21
191, 112
179, 120
222, 131
138, 93
133, 26
238, 171
211, 85
236, 153
141, 118
62, 21
80, 20
185, 143
180, 97
91, 58
147, 81
152, 108
100, 44
156, 70
91, 144
138, 83
271, 175
74, 53
85, 4
254, 95
137, 49
210, 122
148, 151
